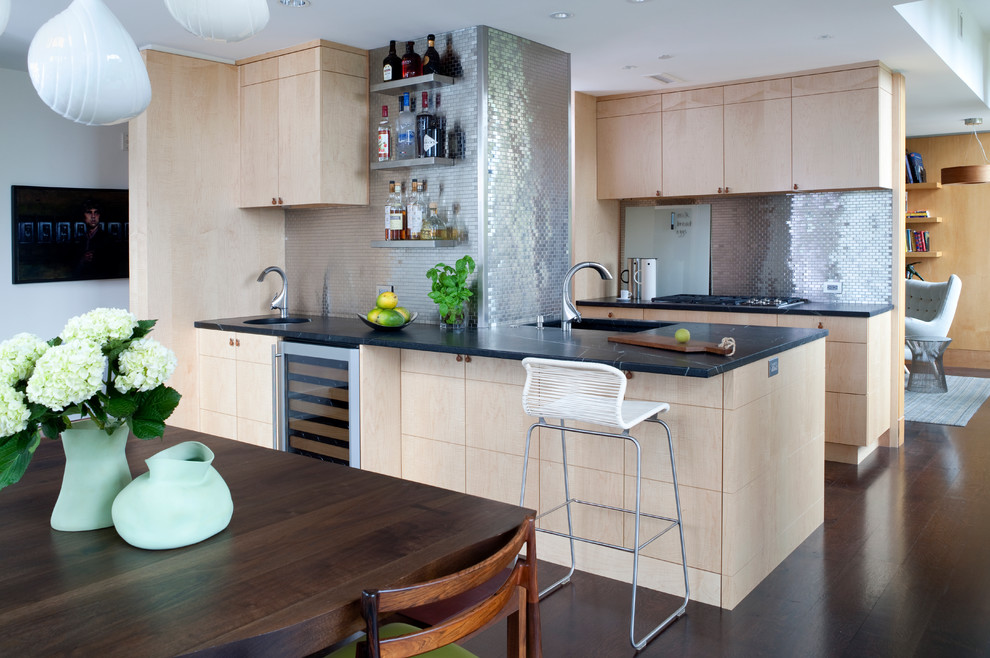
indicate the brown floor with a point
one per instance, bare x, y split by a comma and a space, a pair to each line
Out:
901, 567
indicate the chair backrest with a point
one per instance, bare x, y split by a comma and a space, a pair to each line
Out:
577, 390
524, 625
933, 302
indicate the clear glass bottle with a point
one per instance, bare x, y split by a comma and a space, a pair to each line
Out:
384, 137
432, 224
406, 130
389, 200
396, 214
415, 211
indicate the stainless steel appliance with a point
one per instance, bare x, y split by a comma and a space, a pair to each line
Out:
730, 300
317, 407
642, 277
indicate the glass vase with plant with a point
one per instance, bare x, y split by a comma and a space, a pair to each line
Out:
450, 289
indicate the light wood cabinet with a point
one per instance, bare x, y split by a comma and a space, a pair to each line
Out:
304, 119
842, 124
235, 384
693, 142
629, 148
757, 119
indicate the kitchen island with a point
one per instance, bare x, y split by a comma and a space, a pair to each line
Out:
445, 409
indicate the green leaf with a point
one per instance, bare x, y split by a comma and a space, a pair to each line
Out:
153, 408
120, 406
143, 329
145, 428
15, 455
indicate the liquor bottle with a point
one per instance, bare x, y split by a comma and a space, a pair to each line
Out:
392, 66
431, 58
415, 211
384, 137
397, 216
424, 122
431, 225
411, 63
406, 130
389, 202
439, 131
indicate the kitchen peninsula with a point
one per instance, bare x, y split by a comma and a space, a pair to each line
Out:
444, 408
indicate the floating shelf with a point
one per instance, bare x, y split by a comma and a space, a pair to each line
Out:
923, 254
923, 220
413, 162
931, 185
414, 244
417, 83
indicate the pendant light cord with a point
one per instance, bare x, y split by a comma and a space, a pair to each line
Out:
977, 138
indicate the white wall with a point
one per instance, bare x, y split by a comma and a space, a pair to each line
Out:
38, 147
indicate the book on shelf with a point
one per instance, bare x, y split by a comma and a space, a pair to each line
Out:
917, 241
917, 214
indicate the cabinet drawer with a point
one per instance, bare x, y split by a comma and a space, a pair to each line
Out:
840, 329
255, 348
617, 313
215, 343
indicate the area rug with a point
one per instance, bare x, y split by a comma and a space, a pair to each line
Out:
956, 407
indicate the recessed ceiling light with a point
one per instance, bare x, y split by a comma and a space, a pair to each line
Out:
295, 3
637, 2
561, 15
665, 56
825, 37
628, 67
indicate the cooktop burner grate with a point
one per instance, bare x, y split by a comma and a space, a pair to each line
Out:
730, 300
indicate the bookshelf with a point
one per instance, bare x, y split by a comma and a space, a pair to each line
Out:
915, 221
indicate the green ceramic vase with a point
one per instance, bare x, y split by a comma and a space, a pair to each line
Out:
181, 500
96, 471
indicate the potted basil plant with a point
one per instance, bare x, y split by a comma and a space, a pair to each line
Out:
450, 291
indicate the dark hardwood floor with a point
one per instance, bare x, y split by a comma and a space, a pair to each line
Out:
901, 567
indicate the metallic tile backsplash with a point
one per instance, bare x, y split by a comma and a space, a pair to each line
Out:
792, 244
514, 214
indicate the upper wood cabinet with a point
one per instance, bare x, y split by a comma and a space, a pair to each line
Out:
629, 148
820, 131
842, 124
757, 120
692, 142
304, 127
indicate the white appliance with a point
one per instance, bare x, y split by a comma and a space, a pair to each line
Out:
677, 240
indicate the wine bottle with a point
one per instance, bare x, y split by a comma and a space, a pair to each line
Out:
406, 130
431, 58
424, 122
392, 66
384, 137
415, 211
411, 63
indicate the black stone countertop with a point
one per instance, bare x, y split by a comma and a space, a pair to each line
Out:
752, 343
808, 308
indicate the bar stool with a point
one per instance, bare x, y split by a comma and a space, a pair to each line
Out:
594, 393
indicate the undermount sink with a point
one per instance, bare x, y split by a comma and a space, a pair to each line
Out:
615, 326
277, 320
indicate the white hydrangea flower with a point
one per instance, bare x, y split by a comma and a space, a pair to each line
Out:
144, 365
67, 374
14, 413
100, 325
18, 355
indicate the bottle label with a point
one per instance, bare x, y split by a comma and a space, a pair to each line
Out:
387, 72
415, 219
407, 137
384, 145
429, 143
395, 221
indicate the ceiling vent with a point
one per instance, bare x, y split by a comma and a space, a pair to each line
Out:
665, 78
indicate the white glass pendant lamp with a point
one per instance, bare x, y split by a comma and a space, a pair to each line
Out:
220, 20
4, 14
85, 66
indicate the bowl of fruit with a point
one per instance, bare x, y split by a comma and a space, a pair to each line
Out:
387, 314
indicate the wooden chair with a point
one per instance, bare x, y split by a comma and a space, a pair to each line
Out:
398, 640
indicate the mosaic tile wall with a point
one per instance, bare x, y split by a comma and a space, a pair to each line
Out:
514, 209
527, 240
791, 244
331, 265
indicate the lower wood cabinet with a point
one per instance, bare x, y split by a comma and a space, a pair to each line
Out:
235, 385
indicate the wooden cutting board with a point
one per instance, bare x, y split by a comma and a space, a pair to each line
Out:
668, 343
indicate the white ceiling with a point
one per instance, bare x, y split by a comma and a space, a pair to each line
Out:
706, 40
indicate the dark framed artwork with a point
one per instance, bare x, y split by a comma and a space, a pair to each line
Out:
68, 234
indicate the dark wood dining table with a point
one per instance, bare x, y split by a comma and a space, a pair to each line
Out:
283, 579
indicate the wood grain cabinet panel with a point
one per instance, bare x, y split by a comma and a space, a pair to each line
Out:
304, 137
693, 151
758, 146
629, 156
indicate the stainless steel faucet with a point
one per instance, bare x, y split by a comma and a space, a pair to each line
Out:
280, 302
569, 312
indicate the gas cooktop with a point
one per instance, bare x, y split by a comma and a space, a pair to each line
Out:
729, 300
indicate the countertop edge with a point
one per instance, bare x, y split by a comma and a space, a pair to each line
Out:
809, 308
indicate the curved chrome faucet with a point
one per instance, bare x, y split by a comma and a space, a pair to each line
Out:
569, 312
280, 302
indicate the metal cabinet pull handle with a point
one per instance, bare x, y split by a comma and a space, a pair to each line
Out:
459, 358
467, 359
273, 202
237, 342
821, 326
231, 342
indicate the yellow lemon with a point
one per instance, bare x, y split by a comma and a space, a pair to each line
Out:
389, 318
403, 312
682, 335
387, 300
373, 314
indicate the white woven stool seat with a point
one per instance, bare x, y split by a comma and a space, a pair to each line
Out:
582, 391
